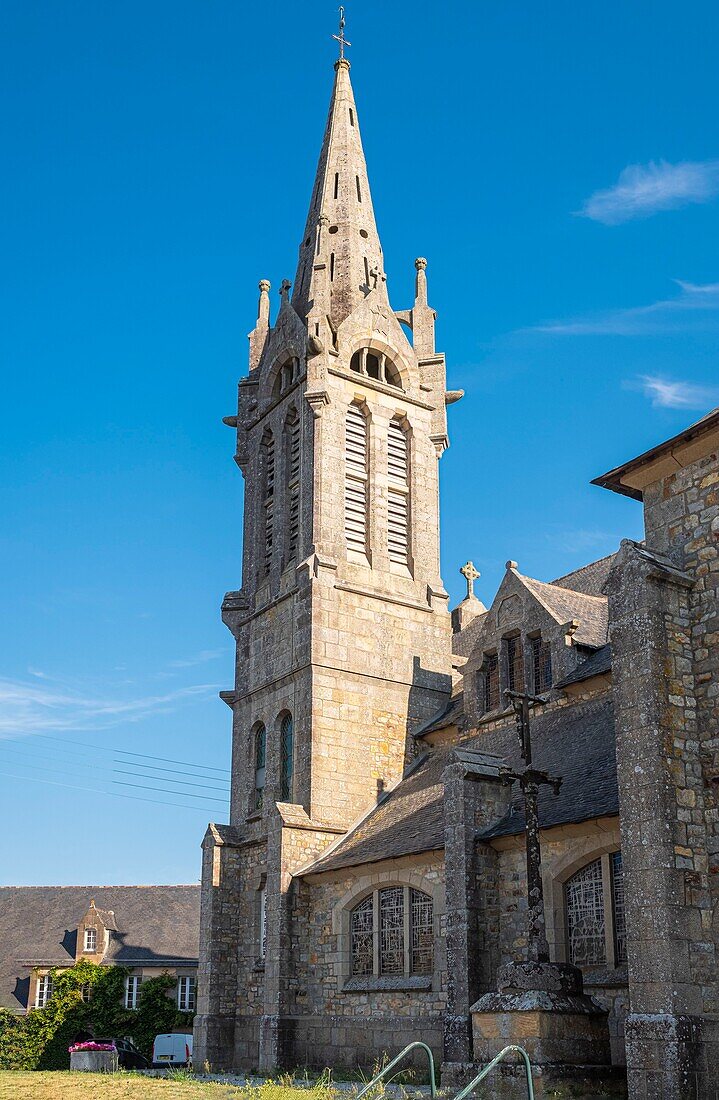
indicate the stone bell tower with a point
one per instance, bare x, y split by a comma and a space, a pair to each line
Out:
341, 623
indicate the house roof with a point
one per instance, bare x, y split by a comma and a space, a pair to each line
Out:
589, 579
565, 604
575, 742
595, 665
451, 715
154, 926
666, 458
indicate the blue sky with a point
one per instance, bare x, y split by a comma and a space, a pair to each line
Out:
557, 164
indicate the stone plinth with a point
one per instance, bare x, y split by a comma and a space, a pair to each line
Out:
94, 1061
542, 1007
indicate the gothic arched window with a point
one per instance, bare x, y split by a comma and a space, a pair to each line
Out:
287, 757
260, 760
596, 930
292, 482
375, 364
392, 933
356, 479
398, 504
267, 451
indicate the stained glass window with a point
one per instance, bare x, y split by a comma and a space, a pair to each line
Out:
286, 757
541, 665
585, 916
491, 681
260, 770
422, 946
515, 663
391, 930
398, 908
362, 924
620, 925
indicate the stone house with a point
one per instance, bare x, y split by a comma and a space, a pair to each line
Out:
151, 930
372, 878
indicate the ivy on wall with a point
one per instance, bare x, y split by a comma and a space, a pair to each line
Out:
40, 1039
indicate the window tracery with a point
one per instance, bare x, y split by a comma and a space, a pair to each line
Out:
594, 903
392, 934
375, 364
287, 761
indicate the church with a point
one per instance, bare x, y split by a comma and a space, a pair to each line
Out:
372, 881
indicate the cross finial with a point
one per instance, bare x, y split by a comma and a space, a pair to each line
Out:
341, 36
470, 574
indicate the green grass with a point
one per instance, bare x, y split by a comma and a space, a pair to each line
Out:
63, 1085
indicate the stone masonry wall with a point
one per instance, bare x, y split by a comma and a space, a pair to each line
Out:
664, 614
336, 1024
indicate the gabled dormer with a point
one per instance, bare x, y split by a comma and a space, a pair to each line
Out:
93, 933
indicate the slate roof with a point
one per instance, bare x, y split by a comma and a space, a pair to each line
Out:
410, 818
155, 925
589, 579
576, 742
598, 663
451, 716
565, 604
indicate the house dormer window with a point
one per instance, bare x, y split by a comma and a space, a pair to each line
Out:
91, 940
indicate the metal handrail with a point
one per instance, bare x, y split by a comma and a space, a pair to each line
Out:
467, 1088
430, 1058
488, 1069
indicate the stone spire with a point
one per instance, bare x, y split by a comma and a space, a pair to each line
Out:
340, 255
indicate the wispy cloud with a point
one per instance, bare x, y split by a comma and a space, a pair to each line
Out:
695, 306
667, 394
200, 658
27, 707
645, 189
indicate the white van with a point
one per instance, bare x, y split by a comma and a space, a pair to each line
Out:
174, 1049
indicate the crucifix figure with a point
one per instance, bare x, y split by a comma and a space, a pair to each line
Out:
470, 574
530, 779
341, 36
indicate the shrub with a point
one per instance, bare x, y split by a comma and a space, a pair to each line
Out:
41, 1039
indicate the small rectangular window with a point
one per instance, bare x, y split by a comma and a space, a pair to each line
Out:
332, 267
491, 682
352, 117
359, 189
337, 184
262, 919
186, 994
132, 990
91, 940
44, 991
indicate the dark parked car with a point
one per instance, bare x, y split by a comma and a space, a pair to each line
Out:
128, 1056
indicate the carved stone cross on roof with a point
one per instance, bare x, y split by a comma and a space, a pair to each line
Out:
470, 574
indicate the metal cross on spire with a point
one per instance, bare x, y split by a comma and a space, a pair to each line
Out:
470, 574
341, 36
530, 779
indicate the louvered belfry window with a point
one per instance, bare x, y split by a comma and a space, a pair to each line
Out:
398, 492
292, 473
356, 479
268, 501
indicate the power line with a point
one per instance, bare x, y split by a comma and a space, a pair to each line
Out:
83, 763
94, 790
177, 782
125, 752
142, 787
